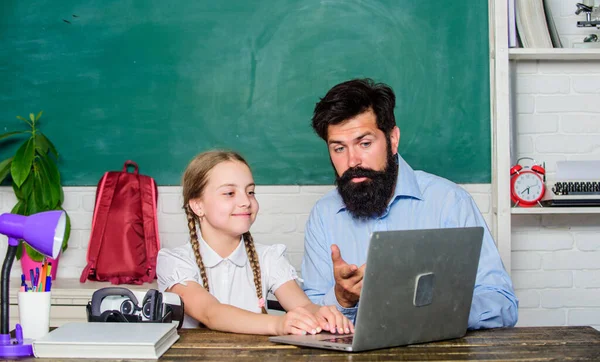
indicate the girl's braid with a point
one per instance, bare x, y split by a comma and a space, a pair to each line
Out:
191, 217
253, 259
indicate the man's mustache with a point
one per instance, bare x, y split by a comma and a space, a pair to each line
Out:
356, 172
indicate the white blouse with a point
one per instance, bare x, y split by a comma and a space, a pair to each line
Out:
230, 279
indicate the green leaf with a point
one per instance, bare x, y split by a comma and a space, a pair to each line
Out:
20, 250
53, 170
40, 194
38, 115
33, 254
32, 117
46, 192
25, 190
52, 185
45, 164
43, 144
61, 197
8, 134
24, 120
67, 230
21, 165
33, 207
5, 168
19, 208
18, 192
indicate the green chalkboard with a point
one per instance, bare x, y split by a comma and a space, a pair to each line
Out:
159, 81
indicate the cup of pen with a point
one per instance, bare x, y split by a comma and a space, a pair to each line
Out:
34, 313
34, 302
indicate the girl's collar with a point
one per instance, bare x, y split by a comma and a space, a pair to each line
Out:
211, 258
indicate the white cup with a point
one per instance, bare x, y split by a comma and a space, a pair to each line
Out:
34, 313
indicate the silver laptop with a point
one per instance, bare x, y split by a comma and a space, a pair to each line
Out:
418, 287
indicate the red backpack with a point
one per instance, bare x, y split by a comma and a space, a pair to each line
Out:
124, 240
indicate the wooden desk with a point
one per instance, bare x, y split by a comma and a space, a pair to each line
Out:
506, 344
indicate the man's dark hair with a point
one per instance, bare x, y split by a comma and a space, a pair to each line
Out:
351, 98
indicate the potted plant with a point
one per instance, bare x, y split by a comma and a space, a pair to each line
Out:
36, 182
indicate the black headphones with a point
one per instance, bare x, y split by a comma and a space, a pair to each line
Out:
129, 310
152, 305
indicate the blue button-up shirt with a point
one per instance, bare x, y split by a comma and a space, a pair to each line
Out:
420, 201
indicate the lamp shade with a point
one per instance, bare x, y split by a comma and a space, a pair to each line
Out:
43, 231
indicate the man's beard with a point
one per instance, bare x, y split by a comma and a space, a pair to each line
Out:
370, 197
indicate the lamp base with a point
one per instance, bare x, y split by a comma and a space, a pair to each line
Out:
12, 347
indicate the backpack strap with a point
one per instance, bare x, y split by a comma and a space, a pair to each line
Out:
104, 196
149, 197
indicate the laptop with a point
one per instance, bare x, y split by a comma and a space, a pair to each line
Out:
418, 287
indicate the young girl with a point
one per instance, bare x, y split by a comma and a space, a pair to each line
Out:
222, 276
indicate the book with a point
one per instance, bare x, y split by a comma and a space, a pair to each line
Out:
532, 25
512, 25
551, 26
107, 340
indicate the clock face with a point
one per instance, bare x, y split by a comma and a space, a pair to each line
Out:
528, 187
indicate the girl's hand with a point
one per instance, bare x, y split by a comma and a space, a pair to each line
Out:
298, 321
332, 320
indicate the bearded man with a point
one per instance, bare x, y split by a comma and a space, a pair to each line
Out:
378, 191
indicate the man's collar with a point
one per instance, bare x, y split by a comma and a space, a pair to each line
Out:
210, 258
406, 185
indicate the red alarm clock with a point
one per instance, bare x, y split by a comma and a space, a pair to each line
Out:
527, 185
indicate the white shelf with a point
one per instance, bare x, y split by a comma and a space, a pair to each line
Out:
553, 54
554, 210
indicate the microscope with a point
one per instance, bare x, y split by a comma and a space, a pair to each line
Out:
592, 19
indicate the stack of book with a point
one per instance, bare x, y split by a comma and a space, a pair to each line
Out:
107, 340
533, 22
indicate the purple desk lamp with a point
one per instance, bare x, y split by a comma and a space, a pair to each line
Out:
44, 232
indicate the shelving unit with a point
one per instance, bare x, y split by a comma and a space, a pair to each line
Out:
500, 101
553, 54
501, 58
554, 210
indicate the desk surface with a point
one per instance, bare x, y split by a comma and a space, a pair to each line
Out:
506, 344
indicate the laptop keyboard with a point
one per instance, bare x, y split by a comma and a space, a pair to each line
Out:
347, 339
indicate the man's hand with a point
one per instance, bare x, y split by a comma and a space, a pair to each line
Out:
348, 279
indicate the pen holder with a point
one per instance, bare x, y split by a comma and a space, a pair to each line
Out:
34, 313
28, 264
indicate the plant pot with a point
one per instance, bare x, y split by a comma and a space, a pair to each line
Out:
28, 264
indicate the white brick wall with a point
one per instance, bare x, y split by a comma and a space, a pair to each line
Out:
556, 258
283, 214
